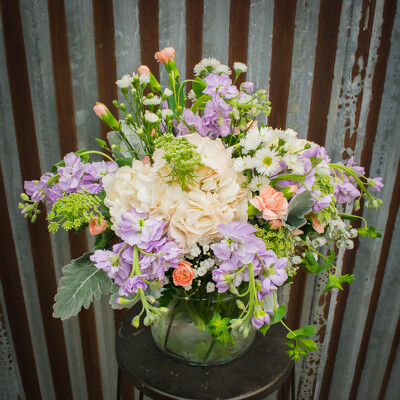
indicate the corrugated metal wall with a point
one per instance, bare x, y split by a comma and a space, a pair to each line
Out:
332, 69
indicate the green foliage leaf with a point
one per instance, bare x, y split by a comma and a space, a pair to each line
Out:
279, 313
167, 295
124, 161
198, 86
219, 328
333, 282
81, 281
264, 328
300, 206
252, 210
308, 344
202, 99
369, 232
347, 278
326, 264
305, 331
101, 241
309, 262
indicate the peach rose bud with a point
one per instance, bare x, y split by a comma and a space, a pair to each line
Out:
165, 55
297, 232
317, 226
183, 275
293, 189
144, 69
100, 109
146, 160
95, 228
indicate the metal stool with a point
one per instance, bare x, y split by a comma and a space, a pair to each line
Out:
255, 375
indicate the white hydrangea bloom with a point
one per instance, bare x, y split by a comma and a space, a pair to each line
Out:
151, 117
124, 82
222, 69
210, 287
239, 67
154, 101
296, 260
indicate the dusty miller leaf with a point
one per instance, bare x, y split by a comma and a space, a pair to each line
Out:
300, 206
81, 281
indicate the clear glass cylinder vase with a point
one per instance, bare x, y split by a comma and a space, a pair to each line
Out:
183, 332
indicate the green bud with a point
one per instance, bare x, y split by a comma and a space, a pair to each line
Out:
151, 299
150, 96
33, 219
179, 109
136, 321
102, 143
240, 304
20, 206
116, 147
356, 205
158, 113
146, 321
24, 197
122, 106
164, 309
233, 289
115, 103
307, 146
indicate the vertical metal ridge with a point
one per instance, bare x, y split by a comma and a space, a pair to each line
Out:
325, 53
387, 239
194, 35
281, 60
30, 169
68, 143
15, 304
390, 362
349, 258
239, 18
148, 13
103, 21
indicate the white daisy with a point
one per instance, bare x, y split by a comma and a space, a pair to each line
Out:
192, 95
251, 141
124, 82
151, 117
206, 64
242, 163
166, 112
154, 101
267, 135
144, 78
294, 163
168, 92
239, 67
222, 69
282, 135
266, 161
258, 182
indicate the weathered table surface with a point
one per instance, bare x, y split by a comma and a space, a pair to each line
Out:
255, 375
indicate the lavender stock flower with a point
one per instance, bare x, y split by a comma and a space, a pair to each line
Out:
220, 85
132, 285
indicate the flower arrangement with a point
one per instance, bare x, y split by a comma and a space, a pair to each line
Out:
195, 198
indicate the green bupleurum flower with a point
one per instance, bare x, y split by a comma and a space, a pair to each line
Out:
73, 211
181, 157
325, 185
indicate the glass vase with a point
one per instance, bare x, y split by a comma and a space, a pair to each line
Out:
183, 331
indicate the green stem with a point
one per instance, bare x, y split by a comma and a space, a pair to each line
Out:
210, 349
97, 152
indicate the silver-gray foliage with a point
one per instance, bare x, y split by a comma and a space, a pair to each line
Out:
81, 281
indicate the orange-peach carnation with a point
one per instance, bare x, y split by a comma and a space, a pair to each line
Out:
95, 228
165, 55
144, 69
100, 109
272, 203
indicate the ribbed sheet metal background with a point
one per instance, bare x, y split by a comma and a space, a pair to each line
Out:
332, 69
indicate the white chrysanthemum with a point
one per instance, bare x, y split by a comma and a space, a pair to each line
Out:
205, 64
258, 182
239, 67
251, 141
222, 69
168, 92
266, 161
144, 78
166, 112
154, 101
124, 82
210, 287
295, 163
192, 95
267, 135
287, 138
242, 163
151, 117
